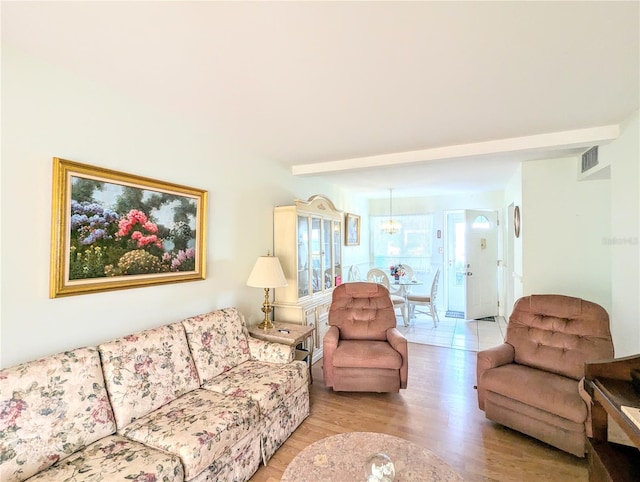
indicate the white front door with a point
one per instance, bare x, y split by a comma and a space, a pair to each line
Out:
481, 264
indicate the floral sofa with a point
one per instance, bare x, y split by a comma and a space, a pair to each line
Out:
197, 400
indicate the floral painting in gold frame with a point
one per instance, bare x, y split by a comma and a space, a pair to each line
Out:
352, 229
111, 230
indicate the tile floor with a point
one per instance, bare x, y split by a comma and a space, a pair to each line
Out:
471, 335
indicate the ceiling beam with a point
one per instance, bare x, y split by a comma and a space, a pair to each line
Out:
542, 142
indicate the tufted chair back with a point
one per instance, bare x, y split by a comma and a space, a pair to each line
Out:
362, 311
558, 333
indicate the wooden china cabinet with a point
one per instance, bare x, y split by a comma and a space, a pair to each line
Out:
308, 242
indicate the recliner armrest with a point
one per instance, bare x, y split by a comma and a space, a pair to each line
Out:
329, 345
488, 359
496, 356
399, 343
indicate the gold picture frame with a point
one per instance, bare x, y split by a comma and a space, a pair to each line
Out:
351, 229
111, 230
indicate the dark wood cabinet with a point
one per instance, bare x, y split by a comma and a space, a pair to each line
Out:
609, 384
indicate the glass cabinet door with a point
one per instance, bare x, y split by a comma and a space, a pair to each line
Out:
303, 256
316, 255
337, 244
327, 265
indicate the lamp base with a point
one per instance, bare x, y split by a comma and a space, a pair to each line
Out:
266, 309
265, 325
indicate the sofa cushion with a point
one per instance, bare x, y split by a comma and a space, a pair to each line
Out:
146, 370
218, 341
115, 458
543, 390
268, 384
366, 354
197, 427
50, 408
281, 422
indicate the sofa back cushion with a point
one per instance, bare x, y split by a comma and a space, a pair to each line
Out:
218, 341
362, 311
146, 370
50, 408
559, 333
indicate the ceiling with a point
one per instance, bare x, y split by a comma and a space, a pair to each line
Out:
422, 97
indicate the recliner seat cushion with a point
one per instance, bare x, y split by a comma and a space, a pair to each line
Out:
543, 390
366, 354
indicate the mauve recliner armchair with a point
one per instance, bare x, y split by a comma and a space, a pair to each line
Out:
363, 351
532, 382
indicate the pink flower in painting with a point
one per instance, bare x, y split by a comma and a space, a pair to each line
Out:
149, 226
136, 218
142, 364
10, 411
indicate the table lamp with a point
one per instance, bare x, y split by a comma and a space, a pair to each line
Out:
267, 273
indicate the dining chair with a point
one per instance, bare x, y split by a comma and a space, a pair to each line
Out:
428, 301
354, 274
375, 275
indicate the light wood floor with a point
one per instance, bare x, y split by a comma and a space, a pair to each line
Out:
437, 411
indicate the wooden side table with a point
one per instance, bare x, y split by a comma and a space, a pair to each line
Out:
609, 384
289, 334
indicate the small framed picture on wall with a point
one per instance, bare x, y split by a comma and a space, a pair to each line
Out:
352, 230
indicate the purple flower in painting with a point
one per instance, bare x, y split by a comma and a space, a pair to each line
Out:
184, 260
92, 222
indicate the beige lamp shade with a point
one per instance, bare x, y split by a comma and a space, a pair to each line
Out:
267, 273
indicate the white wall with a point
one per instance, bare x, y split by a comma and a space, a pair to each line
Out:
512, 268
48, 112
623, 244
563, 224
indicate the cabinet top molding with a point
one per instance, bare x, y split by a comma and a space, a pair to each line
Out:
316, 201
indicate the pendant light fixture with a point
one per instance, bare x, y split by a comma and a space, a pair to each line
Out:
391, 227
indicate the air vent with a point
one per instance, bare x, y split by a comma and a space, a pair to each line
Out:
590, 159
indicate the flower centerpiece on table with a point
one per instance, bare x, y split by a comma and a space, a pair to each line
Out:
397, 270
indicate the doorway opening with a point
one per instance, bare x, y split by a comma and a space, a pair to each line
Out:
471, 264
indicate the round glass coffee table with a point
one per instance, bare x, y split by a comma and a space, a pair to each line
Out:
342, 458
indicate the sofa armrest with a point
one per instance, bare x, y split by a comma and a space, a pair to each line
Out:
271, 352
491, 358
399, 343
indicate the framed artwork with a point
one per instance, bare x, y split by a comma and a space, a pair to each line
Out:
352, 230
112, 230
